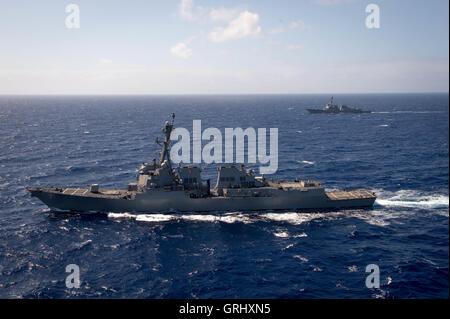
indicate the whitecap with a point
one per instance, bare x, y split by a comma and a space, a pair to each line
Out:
375, 218
233, 218
200, 218
300, 235
352, 268
121, 215
411, 198
281, 234
82, 244
437, 202
226, 218
292, 218
153, 217
142, 217
304, 259
308, 162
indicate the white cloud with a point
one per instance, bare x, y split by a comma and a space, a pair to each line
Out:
181, 50
105, 61
190, 12
331, 2
294, 47
299, 24
223, 14
246, 24
185, 9
276, 30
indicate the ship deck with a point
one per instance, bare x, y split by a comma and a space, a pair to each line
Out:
74, 191
353, 194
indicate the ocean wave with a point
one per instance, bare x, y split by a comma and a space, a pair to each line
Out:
307, 162
236, 217
303, 259
226, 218
407, 112
413, 199
281, 234
291, 217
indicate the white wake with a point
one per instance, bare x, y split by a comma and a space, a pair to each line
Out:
413, 199
377, 216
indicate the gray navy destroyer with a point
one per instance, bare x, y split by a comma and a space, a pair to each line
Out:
331, 108
160, 188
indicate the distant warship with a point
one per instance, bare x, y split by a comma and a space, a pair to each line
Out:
160, 188
331, 108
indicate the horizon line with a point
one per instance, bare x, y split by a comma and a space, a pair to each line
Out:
213, 94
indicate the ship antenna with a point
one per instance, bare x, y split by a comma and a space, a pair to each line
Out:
165, 152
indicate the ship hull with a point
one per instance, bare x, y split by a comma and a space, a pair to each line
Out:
180, 201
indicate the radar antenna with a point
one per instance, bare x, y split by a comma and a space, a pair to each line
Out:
165, 144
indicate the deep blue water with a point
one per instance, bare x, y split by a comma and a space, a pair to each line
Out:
401, 151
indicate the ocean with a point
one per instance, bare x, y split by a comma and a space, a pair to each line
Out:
400, 151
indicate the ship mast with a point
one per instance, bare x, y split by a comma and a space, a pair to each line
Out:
165, 152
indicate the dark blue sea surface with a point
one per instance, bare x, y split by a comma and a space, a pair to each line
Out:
401, 151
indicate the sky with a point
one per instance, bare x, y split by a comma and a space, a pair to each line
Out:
223, 47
